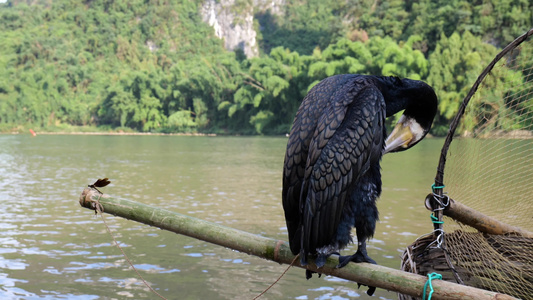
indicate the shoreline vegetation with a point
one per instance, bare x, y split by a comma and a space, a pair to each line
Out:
96, 131
118, 133
157, 67
513, 134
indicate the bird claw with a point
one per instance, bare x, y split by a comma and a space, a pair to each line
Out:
358, 257
343, 261
321, 259
309, 274
370, 291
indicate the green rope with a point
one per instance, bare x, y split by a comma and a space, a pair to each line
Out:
434, 187
431, 276
435, 220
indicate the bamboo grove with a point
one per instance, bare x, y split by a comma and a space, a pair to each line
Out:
154, 66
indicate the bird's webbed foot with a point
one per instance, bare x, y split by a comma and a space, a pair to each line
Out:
320, 261
358, 257
321, 258
309, 274
370, 291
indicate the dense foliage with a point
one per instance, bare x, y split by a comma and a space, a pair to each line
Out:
155, 66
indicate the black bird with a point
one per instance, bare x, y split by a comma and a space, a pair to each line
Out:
331, 175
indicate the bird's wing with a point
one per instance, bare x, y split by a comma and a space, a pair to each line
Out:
349, 136
301, 134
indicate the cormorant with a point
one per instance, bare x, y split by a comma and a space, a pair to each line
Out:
331, 175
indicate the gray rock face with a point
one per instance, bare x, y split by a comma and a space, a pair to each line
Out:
234, 22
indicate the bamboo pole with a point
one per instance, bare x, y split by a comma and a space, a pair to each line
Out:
477, 220
279, 251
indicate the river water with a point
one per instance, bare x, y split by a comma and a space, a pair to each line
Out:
51, 248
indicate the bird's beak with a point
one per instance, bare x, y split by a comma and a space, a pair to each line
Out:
400, 138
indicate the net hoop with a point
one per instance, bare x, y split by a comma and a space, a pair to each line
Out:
439, 177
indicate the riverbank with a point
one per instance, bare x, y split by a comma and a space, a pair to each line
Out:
92, 130
115, 133
514, 134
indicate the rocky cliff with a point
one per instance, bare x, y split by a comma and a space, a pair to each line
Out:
233, 21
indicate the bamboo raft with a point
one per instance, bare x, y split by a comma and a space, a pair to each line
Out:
279, 251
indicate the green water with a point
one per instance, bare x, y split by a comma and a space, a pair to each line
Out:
52, 248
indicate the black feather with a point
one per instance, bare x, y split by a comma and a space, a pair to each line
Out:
331, 177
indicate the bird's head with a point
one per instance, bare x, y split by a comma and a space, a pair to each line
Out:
420, 104
405, 135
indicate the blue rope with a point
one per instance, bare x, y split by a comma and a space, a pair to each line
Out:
431, 276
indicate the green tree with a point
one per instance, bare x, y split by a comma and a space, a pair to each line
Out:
454, 66
155, 66
270, 95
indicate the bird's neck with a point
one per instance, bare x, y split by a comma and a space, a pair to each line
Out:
417, 98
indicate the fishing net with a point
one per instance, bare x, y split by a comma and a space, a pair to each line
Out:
488, 168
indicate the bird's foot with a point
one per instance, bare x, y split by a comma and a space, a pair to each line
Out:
303, 259
370, 291
309, 274
358, 257
321, 259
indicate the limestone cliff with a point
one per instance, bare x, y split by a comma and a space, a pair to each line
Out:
233, 21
